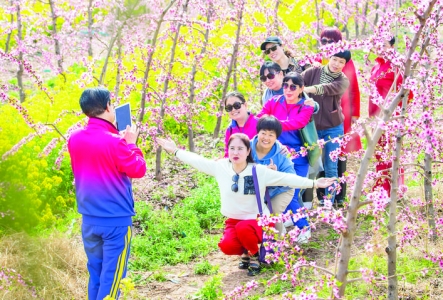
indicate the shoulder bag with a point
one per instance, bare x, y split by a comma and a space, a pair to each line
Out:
309, 138
262, 251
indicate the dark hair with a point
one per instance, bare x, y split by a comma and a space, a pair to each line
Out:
332, 33
295, 77
94, 101
270, 66
235, 94
344, 54
392, 41
271, 123
245, 140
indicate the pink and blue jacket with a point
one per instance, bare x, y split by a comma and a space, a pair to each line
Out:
250, 129
103, 163
292, 119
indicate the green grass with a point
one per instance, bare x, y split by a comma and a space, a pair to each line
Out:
181, 234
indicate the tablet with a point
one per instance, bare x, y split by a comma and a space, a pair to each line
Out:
123, 116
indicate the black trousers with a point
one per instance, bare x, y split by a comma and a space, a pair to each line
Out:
308, 195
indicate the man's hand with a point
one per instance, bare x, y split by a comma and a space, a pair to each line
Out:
130, 134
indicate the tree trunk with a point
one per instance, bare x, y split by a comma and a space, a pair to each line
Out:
158, 153
228, 75
90, 22
430, 212
276, 28
193, 73
56, 42
20, 56
8, 38
109, 53
376, 15
317, 14
365, 15
149, 61
356, 20
351, 217
119, 62
391, 249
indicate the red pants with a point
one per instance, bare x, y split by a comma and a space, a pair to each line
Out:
240, 236
385, 169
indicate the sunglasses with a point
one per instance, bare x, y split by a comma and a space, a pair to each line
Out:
270, 76
234, 187
273, 48
326, 41
236, 105
292, 87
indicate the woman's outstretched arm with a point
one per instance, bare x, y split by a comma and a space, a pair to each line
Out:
199, 162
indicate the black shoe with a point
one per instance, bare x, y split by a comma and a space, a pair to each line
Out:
339, 202
244, 264
254, 268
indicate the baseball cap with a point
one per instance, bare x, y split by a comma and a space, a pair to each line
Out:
271, 39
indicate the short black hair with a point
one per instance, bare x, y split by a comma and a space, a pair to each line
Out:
295, 77
235, 94
271, 66
94, 101
392, 41
271, 123
346, 55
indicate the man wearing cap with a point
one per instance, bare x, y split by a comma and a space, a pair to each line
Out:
272, 47
326, 85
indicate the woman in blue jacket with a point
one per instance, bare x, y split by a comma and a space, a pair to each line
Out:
267, 151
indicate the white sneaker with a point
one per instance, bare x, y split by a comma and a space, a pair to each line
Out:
304, 236
308, 205
288, 223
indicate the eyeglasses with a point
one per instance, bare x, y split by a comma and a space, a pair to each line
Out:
325, 41
292, 87
273, 48
234, 187
236, 105
270, 76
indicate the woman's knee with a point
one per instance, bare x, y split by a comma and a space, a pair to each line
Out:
230, 247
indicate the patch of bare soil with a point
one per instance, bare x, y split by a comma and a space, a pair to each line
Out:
183, 283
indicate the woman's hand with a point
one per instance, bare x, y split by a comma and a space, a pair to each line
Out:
325, 182
169, 146
272, 166
284, 150
309, 102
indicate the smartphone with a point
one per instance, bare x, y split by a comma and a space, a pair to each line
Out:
123, 116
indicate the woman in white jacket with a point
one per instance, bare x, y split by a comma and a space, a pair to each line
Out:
242, 234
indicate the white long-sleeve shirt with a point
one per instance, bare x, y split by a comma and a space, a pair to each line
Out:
242, 205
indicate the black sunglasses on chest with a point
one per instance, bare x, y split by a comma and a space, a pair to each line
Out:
234, 186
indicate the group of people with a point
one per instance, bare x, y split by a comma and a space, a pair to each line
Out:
104, 160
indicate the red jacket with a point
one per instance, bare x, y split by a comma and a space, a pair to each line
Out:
383, 76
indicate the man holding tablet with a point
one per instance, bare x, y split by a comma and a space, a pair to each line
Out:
103, 161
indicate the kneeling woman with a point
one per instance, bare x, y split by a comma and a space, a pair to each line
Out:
238, 201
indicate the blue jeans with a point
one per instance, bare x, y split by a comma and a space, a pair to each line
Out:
329, 165
301, 166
